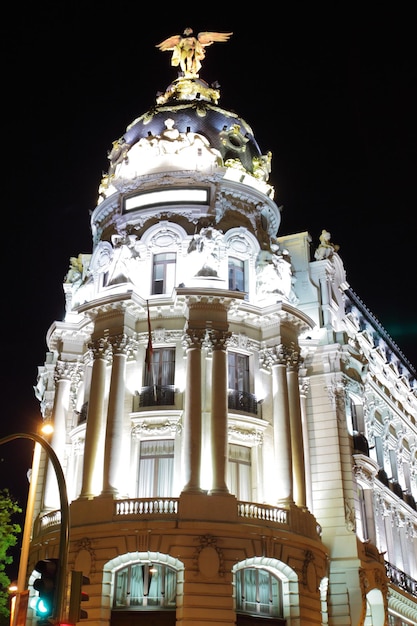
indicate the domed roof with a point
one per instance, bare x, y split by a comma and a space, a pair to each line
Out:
192, 106
186, 126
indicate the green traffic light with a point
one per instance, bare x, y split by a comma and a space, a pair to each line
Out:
42, 608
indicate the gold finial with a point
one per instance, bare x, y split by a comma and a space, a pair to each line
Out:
188, 51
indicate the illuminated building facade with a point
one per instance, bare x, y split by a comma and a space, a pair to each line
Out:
237, 431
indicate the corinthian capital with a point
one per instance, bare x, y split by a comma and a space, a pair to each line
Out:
99, 348
194, 338
219, 339
120, 344
65, 370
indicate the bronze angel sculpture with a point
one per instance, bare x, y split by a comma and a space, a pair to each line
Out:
188, 51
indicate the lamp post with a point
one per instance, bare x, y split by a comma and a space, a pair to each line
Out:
64, 528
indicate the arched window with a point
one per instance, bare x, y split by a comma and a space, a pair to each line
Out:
258, 592
142, 585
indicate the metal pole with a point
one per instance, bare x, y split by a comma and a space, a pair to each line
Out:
64, 528
27, 529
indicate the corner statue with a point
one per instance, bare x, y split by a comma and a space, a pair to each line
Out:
188, 51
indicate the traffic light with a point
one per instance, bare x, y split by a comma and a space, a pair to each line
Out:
77, 596
46, 586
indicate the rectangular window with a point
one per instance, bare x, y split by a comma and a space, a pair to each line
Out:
239, 396
163, 275
236, 274
156, 468
238, 371
239, 479
162, 368
158, 381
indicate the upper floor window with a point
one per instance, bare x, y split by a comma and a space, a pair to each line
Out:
239, 478
236, 274
163, 275
258, 591
158, 381
238, 371
143, 585
156, 468
240, 398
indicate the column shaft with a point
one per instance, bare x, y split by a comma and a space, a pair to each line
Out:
219, 439
192, 414
282, 434
114, 450
93, 459
58, 440
296, 438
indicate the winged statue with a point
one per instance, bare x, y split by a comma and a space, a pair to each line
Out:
188, 51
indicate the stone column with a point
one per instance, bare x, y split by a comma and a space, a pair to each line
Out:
219, 409
297, 443
93, 457
116, 453
192, 411
64, 373
304, 389
282, 431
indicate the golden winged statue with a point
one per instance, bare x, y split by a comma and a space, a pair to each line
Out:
188, 51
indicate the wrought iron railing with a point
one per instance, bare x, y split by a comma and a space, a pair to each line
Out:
242, 401
400, 579
157, 395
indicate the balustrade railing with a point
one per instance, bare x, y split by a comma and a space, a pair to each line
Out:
400, 579
292, 520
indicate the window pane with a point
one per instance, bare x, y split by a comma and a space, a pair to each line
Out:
239, 472
236, 274
156, 468
238, 366
163, 278
258, 591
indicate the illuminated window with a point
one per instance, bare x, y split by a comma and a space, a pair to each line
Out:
238, 370
239, 478
176, 195
239, 396
163, 277
258, 592
158, 382
142, 585
156, 468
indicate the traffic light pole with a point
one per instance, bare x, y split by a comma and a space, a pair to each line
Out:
64, 528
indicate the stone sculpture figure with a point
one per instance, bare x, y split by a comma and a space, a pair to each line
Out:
188, 51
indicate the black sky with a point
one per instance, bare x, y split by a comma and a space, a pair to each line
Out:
329, 88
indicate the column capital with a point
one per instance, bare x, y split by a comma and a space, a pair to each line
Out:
219, 339
194, 338
281, 354
99, 348
66, 370
120, 344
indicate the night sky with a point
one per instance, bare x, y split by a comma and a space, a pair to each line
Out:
328, 88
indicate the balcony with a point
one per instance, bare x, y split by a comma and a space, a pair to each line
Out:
242, 401
401, 580
157, 395
291, 519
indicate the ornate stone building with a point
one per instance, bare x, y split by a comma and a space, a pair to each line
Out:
237, 431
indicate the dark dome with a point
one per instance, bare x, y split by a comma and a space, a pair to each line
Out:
192, 111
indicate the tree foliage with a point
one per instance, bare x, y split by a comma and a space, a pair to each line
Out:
9, 532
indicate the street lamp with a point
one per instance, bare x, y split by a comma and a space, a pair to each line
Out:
64, 528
